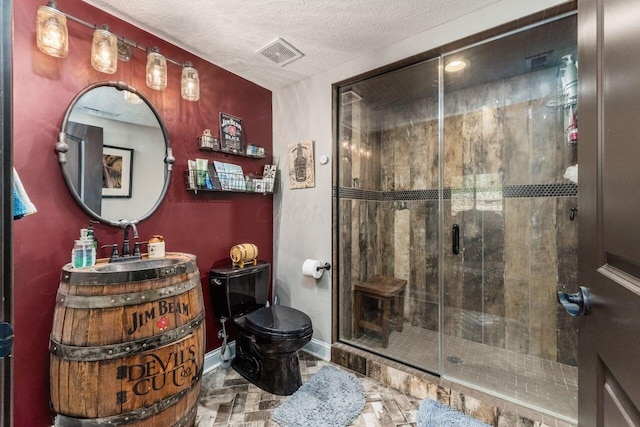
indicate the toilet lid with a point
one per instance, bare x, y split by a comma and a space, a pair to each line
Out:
279, 320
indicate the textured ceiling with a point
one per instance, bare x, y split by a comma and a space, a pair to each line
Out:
328, 32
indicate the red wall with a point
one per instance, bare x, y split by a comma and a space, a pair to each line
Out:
206, 225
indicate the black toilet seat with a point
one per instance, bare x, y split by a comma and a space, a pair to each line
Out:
279, 321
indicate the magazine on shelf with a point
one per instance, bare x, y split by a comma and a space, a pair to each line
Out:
230, 175
215, 181
192, 174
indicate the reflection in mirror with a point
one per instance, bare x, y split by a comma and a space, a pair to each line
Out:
114, 153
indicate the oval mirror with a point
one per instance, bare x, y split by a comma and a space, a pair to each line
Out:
114, 153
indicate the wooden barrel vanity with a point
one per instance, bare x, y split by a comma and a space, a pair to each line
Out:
127, 344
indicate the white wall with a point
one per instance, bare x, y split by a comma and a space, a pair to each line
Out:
303, 110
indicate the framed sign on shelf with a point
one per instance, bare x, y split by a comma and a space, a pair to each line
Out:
231, 134
117, 172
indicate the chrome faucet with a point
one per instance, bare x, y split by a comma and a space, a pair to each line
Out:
126, 249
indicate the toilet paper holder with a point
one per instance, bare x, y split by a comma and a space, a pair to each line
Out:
314, 268
326, 267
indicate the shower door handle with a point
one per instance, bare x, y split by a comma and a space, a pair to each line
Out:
576, 303
455, 239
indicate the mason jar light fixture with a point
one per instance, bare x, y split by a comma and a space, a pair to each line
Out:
190, 83
156, 70
52, 36
104, 50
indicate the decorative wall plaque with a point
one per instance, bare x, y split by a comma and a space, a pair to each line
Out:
231, 134
301, 165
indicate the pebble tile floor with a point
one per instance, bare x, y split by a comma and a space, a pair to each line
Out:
227, 399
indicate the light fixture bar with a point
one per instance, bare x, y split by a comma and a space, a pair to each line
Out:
74, 19
135, 44
125, 40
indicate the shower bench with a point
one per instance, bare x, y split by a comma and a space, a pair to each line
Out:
389, 293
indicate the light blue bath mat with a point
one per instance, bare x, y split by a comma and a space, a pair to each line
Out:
435, 414
331, 398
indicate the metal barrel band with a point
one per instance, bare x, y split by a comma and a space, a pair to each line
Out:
122, 300
85, 278
114, 351
188, 418
129, 417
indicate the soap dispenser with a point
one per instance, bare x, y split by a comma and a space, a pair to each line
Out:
80, 253
83, 253
91, 235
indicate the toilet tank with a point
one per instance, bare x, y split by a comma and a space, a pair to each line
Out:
238, 291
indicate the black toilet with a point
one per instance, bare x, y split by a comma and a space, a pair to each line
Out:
268, 337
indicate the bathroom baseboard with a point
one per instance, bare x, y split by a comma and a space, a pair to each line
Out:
318, 348
212, 359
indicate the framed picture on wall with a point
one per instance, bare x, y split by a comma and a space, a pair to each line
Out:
231, 134
117, 172
301, 165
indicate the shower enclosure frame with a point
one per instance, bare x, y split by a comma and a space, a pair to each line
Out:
433, 55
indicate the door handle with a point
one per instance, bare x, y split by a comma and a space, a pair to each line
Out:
455, 239
576, 303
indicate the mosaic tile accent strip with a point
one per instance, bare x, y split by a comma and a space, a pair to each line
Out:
392, 196
491, 193
540, 190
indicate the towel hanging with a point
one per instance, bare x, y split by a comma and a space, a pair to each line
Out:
22, 205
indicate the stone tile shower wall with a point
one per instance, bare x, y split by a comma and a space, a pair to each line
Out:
504, 159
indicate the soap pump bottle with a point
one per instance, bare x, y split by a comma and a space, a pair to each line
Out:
83, 253
91, 235
80, 253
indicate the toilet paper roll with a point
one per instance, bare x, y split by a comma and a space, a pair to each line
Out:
312, 268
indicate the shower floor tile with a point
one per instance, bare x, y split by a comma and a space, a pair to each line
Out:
544, 386
229, 400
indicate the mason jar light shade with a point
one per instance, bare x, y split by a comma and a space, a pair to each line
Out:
104, 51
190, 83
52, 36
131, 97
156, 71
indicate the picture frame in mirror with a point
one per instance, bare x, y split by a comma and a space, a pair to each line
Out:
117, 172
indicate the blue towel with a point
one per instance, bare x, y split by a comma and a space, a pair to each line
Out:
435, 414
22, 205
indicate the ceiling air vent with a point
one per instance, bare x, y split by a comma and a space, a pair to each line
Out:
538, 62
280, 52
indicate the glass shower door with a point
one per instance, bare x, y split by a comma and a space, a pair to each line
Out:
508, 140
388, 218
